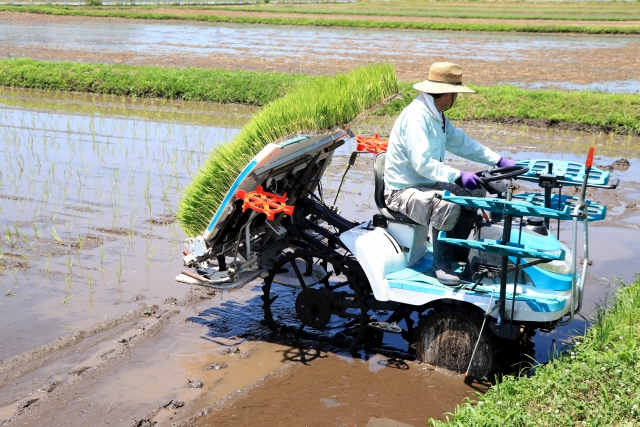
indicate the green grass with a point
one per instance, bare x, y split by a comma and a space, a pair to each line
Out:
620, 112
189, 84
449, 26
588, 11
322, 103
596, 383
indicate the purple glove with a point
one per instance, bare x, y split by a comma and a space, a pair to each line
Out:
470, 180
503, 163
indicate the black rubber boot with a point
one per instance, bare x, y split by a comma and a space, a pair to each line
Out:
442, 258
461, 230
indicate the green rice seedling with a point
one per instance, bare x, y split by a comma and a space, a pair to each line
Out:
119, 270
90, 283
151, 251
20, 161
80, 241
10, 292
47, 267
68, 281
102, 253
165, 190
66, 299
150, 209
69, 264
8, 236
320, 104
36, 230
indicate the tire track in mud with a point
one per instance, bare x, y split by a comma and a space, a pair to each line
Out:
68, 359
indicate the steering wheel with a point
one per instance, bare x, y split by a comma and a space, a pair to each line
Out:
499, 174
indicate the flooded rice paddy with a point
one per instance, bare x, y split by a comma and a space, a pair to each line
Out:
87, 210
488, 58
88, 192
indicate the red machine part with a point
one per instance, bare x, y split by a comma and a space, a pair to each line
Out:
589, 162
262, 201
372, 144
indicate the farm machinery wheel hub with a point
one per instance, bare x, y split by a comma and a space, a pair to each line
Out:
313, 308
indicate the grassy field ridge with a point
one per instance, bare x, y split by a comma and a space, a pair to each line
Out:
595, 383
523, 14
617, 112
60, 10
189, 84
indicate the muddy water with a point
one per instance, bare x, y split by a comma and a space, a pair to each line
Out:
87, 202
488, 58
160, 38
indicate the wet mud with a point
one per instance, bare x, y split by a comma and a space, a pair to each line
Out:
339, 390
537, 60
96, 332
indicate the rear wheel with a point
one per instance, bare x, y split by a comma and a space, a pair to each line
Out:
447, 337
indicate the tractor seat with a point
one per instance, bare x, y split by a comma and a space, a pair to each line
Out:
378, 194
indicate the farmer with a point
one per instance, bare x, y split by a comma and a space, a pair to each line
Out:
415, 174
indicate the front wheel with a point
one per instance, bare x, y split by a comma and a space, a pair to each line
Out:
447, 338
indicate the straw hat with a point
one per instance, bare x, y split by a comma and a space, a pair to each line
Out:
444, 77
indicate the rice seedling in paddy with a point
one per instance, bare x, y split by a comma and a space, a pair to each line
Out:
74, 173
119, 270
320, 104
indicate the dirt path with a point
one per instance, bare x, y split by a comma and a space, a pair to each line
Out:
487, 59
377, 18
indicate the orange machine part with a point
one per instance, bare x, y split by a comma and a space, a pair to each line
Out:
262, 201
589, 162
372, 144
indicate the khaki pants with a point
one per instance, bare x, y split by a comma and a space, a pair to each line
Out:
422, 204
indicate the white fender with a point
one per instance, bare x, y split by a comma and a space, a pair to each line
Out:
378, 253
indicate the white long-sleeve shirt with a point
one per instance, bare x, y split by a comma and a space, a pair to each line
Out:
418, 143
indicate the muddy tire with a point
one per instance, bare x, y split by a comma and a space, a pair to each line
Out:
447, 338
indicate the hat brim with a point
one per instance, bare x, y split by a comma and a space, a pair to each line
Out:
428, 86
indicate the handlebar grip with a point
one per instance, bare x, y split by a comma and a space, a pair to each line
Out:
615, 183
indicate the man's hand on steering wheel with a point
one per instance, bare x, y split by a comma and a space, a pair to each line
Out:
505, 163
473, 181
470, 180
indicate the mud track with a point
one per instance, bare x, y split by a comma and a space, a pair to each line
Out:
126, 372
